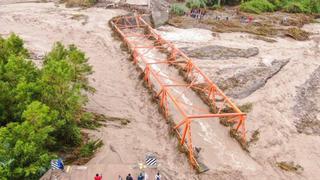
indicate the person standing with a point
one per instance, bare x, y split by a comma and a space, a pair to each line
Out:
140, 177
60, 164
158, 176
146, 177
129, 177
250, 19
120, 178
98, 177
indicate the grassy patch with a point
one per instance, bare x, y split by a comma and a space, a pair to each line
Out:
88, 149
295, 7
91, 120
81, 154
302, 6
215, 7
94, 120
291, 6
257, 6
178, 9
196, 3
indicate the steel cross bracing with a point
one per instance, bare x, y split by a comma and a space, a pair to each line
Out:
141, 39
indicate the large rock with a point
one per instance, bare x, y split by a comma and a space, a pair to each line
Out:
138, 2
216, 52
159, 12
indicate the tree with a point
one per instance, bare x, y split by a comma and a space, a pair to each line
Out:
14, 69
76, 59
23, 153
39, 108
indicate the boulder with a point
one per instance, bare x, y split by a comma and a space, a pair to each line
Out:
159, 12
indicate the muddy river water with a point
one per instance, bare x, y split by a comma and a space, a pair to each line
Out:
120, 93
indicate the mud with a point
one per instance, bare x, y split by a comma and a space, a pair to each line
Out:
275, 82
219, 152
276, 24
307, 107
245, 82
119, 90
288, 90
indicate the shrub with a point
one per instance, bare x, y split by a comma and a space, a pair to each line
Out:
292, 6
302, 6
196, 3
277, 3
214, 7
88, 149
315, 6
179, 9
257, 6
295, 7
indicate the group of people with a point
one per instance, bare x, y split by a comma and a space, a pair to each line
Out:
245, 19
197, 13
142, 176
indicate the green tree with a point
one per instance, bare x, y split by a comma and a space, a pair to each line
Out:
13, 46
23, 153
14, 69
39, 108
76, 59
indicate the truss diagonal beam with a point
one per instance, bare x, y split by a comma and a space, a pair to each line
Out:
137, 34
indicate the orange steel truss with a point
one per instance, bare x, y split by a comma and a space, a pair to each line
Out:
131, 27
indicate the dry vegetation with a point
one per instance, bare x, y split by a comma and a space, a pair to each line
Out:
290, 166
297, 34
264, 25
77, 3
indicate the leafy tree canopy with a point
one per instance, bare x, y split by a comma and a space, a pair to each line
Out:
39, 107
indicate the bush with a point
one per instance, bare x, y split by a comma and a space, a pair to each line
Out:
257, 6
179, 9
291, 6
296, 7
277, 3
315, 6
214, 7
302, 6
196, 3
88, 149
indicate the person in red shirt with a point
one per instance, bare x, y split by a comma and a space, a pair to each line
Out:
97, 177
250, 19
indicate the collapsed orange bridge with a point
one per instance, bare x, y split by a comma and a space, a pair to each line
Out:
175, 78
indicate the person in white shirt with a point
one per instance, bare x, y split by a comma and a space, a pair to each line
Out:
146, 176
